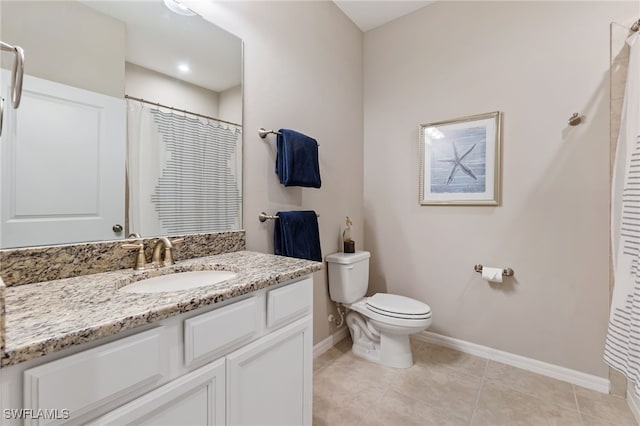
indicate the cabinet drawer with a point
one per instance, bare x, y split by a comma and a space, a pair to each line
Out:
210, 335
289, 302
85, 381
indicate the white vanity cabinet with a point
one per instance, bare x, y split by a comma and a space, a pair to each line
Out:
247, 362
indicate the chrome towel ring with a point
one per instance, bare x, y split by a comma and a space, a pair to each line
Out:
17, 75
17, 72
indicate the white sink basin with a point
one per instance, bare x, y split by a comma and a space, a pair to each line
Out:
178, 281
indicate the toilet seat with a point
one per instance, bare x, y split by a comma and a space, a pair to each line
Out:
380, 327
387, 317
394, 306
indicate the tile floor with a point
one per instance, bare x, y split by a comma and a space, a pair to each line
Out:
446, 387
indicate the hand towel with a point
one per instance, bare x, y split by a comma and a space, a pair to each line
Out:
297, 159
296, 234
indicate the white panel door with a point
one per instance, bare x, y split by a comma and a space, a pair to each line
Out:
63, 165
269, 381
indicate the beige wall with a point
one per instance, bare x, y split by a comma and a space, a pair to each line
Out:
537, 62
87, 47
230, 105
302, 70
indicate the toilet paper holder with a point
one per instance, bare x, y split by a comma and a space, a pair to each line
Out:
506, 272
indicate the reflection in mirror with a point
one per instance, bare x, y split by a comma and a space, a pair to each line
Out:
130, 121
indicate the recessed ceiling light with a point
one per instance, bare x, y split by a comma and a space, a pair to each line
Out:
184, 67
178, 8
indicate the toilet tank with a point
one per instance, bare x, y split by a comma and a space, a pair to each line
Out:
348, 276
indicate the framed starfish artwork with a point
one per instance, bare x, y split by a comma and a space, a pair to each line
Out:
460, 161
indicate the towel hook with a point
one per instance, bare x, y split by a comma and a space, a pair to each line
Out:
575, 119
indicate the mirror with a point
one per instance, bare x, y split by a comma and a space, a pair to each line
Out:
130, 122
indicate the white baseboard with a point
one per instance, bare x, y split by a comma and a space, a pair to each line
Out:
326, 344
588, 381
633, 402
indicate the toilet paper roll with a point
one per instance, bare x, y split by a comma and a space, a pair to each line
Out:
492, 274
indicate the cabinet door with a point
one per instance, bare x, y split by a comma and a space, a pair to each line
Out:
269, 382
197, 398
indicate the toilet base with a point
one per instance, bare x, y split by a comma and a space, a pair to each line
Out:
391, 350
395, 350
369, 353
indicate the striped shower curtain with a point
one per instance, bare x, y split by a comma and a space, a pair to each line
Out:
183, 173
622, 347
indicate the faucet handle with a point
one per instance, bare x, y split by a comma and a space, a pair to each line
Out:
141, 261
168, 251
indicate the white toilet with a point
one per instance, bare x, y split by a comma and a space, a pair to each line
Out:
380, 325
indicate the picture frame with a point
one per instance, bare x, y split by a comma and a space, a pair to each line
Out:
460, 161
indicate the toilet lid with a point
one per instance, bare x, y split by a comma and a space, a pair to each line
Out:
396, 306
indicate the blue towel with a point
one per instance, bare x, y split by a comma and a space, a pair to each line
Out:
296, 235
297, 159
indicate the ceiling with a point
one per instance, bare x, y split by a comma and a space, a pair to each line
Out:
160, 40
367, 14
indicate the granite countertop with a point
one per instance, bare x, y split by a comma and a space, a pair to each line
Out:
46, 317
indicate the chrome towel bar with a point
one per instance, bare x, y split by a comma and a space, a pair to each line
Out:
262, 132
263, 217
507, 272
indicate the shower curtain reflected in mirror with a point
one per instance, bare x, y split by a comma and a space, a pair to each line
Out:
622, 348
183, 173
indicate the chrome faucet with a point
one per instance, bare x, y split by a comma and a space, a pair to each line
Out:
166, 244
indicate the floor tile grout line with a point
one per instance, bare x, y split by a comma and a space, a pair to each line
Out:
475, 406
575, 397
